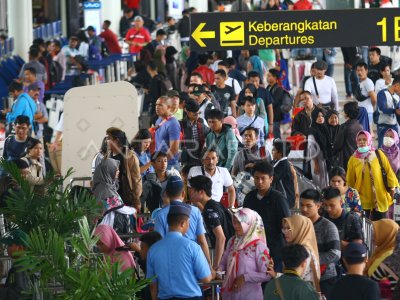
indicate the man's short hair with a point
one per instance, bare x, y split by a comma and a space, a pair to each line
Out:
215, 114
264, 167
203, 58
282, 147
201, 183
362, 64
128, 10
197, 74
294, 255
253, 74
158, 154
375, 49
250, 128
220, 54
221, 72
311, 194
57, 43
31, 70
230, 61
160, 32
39, 42
15, 86
274, 73
396, 80
331, 193
306, 92
251, 100
21, 119
176, 219
150, 238
351, 109
107, 22
223, 63
34, 51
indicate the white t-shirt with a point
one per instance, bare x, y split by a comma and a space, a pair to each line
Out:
221, 179
380, 85
235, 84
367, 86
327, 91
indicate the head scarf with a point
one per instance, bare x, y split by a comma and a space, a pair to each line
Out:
385, 236
184, 56
393, 153
320, 132
357, 153
332, 129
253, 232
170, 51
159, 59
110, 238
232, 121
257, 65
104, 179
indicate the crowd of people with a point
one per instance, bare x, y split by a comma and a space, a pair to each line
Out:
213, 167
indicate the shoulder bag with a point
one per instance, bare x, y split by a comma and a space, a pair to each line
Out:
384, 174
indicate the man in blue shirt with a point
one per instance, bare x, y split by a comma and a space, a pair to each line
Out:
174, 194
23, 105
15, 145
176, 264
168, 131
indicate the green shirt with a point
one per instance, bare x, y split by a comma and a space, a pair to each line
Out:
293, 288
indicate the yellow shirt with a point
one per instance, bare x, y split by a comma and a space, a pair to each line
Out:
362, 182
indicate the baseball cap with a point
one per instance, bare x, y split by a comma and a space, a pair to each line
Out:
33, 86
174, 184
173, 93
90, 28
198, 90
192, 106
17, 237
179, 208
355, 252
320, 65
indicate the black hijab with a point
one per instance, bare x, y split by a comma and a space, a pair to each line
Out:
320, 132
333, 130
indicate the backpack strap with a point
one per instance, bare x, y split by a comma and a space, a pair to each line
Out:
315, 87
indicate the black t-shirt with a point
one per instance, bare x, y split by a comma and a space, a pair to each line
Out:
214, 215
122, 171
224, 96
356, 287
349, 226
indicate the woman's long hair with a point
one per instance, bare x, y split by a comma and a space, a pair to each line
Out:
136, 143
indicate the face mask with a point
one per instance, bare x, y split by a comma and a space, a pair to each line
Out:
388, 141
363, 149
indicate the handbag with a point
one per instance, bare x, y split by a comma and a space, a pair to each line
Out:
279, 289
384, 174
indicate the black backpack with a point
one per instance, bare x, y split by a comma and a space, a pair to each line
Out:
348, 222
166, 84
357, 92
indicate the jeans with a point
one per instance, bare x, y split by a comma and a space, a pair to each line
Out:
330, 70
349, 77
382, 128
277, 130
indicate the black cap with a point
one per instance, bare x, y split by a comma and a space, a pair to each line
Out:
355, 252
33, 86
192, 106
179, 208
90, 28
173, 93
320, 65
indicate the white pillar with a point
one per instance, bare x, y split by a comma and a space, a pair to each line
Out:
111, 10
20, 25
200, 5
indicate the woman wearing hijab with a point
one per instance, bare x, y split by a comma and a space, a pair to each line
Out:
171, 66
298, 229
385, 261
318, 148
159, 59
246, 258
364, 173
332, 122
256, 64
112, 246
115, 213
391, 149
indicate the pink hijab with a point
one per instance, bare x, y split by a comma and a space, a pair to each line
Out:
393, 153
232, 121
357, 153
110, 238
253, 232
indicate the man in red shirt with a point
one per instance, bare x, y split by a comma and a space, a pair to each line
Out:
133, 4
137, 37
110, 38
302, 5
204, 70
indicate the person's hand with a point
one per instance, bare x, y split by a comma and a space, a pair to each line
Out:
134, 247
270, 270
348, 66
238, 283
53, 147
138, 207
270, 129
392, 193
250, 165
213, 274
398, 111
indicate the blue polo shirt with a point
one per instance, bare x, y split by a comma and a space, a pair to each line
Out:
196, 225
167, 132
179, 264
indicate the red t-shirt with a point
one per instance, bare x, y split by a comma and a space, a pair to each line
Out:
139, 36
111, 41
206, 73
132, 3
302, 5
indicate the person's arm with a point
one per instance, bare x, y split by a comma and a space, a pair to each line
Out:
232, 146
382, 104
136, 177
57, 139
270, 111
262, 260
231, 196
153, 290
174, 134
350, 175
173, 149
201, 240
232, 104
219, 246
332, 242
145, 167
